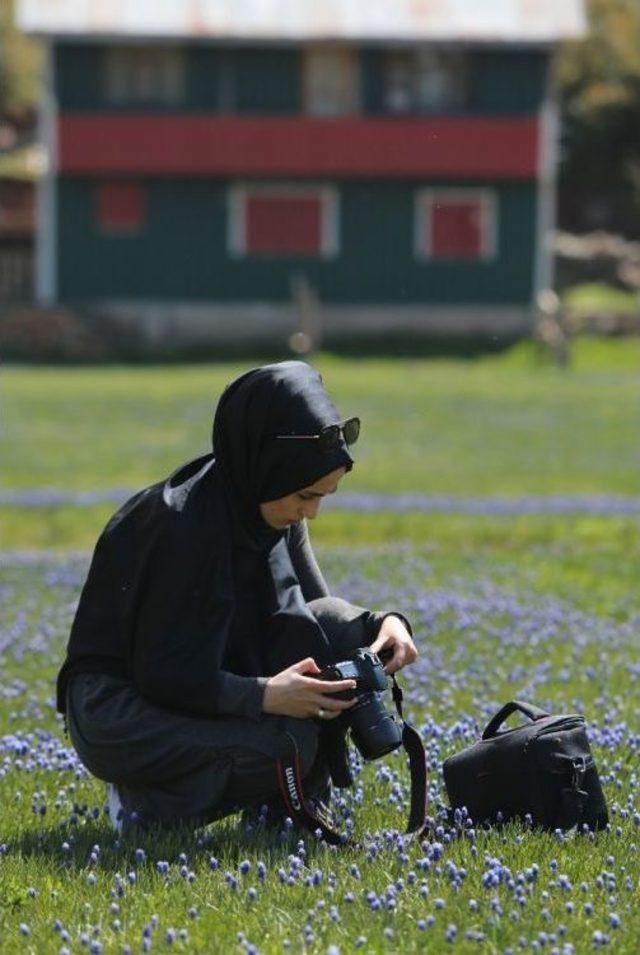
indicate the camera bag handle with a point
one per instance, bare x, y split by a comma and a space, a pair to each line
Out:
290, 782
494, 724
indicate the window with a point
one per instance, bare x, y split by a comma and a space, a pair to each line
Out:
423, 81
455, 224
144, 74
120, 206
330, 81
281, 220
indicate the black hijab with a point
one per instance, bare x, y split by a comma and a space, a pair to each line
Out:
280, 399
160, 599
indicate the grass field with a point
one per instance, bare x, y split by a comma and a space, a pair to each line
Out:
498, 425
541, 607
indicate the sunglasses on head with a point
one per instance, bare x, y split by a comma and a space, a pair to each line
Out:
328, 437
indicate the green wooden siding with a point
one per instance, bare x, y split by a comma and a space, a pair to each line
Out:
79, 76
181, 253
507, 81
205, 80
268, 80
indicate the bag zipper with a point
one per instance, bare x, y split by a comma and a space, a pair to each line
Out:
568, 723
564, 724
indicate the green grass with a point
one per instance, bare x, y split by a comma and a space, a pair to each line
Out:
468, 667
543, 607
505, 424
594, 297
599, 556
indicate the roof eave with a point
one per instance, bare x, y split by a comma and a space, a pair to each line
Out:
273, 40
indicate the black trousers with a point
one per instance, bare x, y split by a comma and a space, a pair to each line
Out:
170, 767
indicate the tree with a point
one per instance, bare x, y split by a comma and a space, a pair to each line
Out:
20, 64
599, 79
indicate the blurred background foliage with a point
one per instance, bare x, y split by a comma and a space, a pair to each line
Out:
20, 63
599, 85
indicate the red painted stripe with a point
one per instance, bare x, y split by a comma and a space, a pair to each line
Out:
481, 147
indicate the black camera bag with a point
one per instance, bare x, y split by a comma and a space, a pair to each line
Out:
543, 769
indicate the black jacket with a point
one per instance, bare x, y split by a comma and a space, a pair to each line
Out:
162, 604
106, 635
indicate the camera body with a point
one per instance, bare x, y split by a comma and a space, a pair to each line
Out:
373, 729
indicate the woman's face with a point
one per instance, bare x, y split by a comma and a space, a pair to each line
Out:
303, 503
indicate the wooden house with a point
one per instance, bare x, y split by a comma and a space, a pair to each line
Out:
398, 156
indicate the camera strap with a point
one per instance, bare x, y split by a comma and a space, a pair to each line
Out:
311, 816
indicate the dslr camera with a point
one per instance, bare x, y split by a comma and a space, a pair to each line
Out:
373, 729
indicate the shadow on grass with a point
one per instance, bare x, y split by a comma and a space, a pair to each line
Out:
70, 847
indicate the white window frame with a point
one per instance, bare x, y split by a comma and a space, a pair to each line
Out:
120, 67
237, 216
425, 199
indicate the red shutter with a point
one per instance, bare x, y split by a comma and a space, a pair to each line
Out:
284, 225
456, 228
120, 205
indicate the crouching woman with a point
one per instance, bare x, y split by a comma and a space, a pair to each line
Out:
205, 619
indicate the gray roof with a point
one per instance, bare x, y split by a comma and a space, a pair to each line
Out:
474, 21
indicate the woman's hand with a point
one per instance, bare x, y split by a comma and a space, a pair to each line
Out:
292, 693
394, 636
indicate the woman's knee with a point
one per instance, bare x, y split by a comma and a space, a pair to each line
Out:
343, 623
306, 735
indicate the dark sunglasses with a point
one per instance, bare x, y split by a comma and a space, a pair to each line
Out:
329, 437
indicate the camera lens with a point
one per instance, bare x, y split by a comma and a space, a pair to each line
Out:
374, 731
